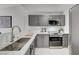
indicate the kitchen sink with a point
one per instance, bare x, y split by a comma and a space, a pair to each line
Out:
16, 46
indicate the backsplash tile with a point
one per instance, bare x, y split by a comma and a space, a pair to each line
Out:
48, 28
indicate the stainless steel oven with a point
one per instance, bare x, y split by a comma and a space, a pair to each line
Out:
55, 40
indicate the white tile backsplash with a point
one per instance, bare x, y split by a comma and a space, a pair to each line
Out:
5, 37
34, 29
48, 28
5, 30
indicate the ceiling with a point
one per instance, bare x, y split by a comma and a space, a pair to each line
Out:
2, 6
47, 7
40, 7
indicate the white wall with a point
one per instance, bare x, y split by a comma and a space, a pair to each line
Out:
17, 15
17, 19
66, 28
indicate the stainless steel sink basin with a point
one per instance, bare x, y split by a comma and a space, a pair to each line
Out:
16, 46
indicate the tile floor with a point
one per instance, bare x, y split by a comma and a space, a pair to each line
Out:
51, 51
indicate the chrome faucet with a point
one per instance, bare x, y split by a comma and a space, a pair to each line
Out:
12, 34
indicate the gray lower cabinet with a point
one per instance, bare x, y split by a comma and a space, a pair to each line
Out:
65, 40
31, 49
46, 40
35, 42
42, 41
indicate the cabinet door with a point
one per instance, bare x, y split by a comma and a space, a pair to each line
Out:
32, 49
46, 40
59, 18
33, 20
39, 41
43, 20
62, 18
35, 42
65, 40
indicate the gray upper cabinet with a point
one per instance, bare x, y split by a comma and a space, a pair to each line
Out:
38, 20
62, 20
59, 18
43, 20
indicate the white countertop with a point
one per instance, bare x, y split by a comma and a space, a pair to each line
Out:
24, 49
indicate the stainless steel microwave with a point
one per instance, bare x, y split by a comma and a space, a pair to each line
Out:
53, 22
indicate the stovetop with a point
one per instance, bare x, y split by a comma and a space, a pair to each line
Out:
56, 35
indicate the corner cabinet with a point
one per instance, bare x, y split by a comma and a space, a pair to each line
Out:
43, 20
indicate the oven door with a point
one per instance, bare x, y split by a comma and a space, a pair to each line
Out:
55, 41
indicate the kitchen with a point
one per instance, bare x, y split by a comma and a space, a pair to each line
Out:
36, 29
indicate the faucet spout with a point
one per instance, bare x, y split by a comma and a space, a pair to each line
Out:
12, 34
